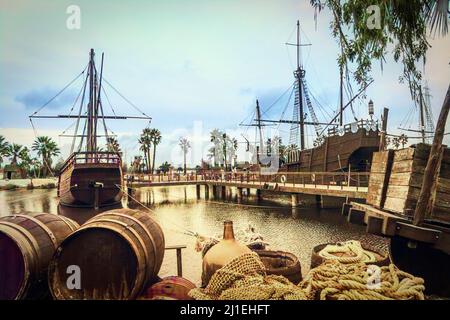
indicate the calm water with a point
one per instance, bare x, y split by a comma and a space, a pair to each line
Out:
177, 210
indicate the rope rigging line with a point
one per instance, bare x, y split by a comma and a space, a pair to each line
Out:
44, 160
123, 97
286, 107
79, 114
188, 232
278, 99
109, 102
61, 91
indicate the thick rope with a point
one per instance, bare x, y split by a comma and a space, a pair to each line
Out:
336, 281
348, 252
245, 278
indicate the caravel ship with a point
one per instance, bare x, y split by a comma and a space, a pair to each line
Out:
91, 177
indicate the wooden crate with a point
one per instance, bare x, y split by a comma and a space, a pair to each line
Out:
405, 182
441, 201
379, 176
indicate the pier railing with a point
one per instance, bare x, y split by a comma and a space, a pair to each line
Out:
335, 180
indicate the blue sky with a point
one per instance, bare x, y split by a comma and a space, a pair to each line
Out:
191, 65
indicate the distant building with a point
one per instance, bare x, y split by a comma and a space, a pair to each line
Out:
12, 171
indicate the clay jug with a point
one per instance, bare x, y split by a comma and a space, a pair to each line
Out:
222, 253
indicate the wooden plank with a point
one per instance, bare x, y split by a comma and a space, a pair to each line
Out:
409, 166
402, 192
445, 170
442, 200
404, 154
413, 232
443, 185
378, 181
356, 216
345, 209
375, 225
401, 206
440, 214
406, 179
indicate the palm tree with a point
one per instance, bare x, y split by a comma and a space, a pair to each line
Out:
112, 145
165, 167
14, 151
146, 143
216, 136
156, 139
185, 145
403, 139
25, 163
46, 148
396, 142
4, 145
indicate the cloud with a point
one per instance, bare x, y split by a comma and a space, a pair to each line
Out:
37, 98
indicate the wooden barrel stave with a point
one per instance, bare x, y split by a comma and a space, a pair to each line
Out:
128, 251
36, 237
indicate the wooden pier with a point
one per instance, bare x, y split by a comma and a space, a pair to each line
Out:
334, 184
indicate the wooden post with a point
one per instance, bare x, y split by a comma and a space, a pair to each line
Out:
383, 145
422, 208
239, 193
223, 190
197, 187
294, 200
179, 263
206, 191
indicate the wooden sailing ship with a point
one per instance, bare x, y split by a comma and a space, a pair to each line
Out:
337, 146
91, 177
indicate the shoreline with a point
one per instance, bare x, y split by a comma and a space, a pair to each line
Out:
40, 183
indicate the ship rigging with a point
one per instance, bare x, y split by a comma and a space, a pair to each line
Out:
90, 177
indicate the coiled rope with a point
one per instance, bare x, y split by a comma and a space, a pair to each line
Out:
347, 252
336, 281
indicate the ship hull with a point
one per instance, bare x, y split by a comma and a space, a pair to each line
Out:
337, 153
90, 185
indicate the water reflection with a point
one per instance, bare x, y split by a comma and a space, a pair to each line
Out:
178, 210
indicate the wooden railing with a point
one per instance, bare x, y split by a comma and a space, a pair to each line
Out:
300, 179
92, 157
355, 126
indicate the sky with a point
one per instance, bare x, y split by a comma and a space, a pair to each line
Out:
191, 65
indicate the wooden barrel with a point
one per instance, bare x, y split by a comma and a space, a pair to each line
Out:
281, 263
117, 254
317, 260
170, 288
27, 244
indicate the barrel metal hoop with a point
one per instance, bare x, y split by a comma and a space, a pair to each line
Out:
43, 226
71, 224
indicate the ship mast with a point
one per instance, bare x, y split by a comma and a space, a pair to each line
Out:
92, 123
341, 98
300, 74
258, 124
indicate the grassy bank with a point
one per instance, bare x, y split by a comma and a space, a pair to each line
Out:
14, 184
